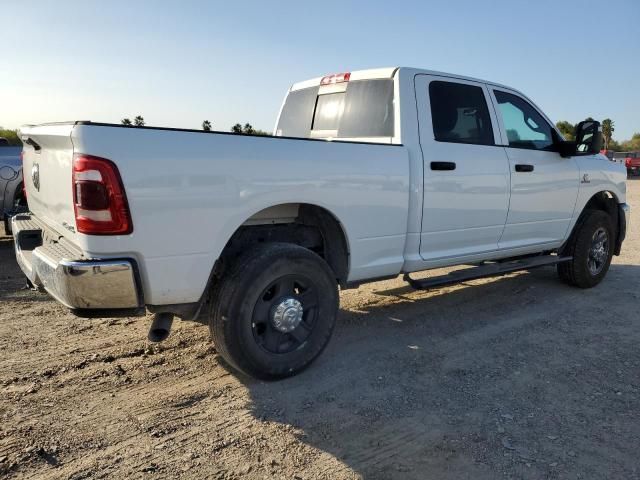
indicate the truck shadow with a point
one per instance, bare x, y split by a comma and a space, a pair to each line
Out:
470, 381
463, 382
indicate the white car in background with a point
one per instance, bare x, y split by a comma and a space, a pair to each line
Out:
12, 198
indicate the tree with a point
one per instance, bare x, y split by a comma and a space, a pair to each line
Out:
567, 129
607, 131
248, 129
632, 145
206, 126
139, 121
614, 146
126, 121
11, 136
262, 133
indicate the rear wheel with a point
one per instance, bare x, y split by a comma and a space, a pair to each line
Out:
591, 247
274, 311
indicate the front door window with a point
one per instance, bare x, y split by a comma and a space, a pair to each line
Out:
525, 127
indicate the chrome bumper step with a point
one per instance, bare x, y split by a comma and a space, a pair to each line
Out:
52, 263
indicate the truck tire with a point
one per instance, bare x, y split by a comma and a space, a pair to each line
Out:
274, 310
591, 247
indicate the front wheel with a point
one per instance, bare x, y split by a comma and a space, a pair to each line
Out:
591, 247
274, 311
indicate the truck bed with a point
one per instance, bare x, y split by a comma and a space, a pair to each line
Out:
189, 190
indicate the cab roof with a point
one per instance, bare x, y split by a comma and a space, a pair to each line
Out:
389, 72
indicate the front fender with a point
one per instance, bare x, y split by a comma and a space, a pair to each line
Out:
598, 174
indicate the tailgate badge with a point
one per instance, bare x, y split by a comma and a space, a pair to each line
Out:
35, 176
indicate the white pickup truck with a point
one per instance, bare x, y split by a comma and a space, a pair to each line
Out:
369, 174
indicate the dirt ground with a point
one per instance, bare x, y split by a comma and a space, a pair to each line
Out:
515, 377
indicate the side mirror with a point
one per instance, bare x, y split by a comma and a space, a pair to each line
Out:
567, 148
588, 137
588, 140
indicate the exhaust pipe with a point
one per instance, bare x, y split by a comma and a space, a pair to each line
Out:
160, 327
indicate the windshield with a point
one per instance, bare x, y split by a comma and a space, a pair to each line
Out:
363, 110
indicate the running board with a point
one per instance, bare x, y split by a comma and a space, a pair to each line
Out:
486, 270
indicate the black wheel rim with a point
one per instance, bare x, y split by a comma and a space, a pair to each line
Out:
285, 294
598, 252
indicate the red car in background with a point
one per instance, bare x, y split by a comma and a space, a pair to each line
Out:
631, 161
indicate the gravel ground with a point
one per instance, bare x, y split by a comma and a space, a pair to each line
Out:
516, 377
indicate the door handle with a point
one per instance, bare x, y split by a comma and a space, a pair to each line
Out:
524, 168
443, 166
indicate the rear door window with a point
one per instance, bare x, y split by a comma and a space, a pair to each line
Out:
460, 113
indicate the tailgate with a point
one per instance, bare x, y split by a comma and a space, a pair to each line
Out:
47, 164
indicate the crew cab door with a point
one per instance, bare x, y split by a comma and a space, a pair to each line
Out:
466, 175
544, 185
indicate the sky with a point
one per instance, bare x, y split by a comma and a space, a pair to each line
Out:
180, 62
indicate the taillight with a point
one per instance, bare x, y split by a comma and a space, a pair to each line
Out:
335, 78
99, 200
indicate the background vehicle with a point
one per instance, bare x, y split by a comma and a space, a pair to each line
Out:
610, 154
12, 199
631, 161
423, 170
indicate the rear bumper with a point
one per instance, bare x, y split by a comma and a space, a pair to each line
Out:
8, 215
89, 287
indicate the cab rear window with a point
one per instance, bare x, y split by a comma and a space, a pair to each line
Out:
297, 113
364, 110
